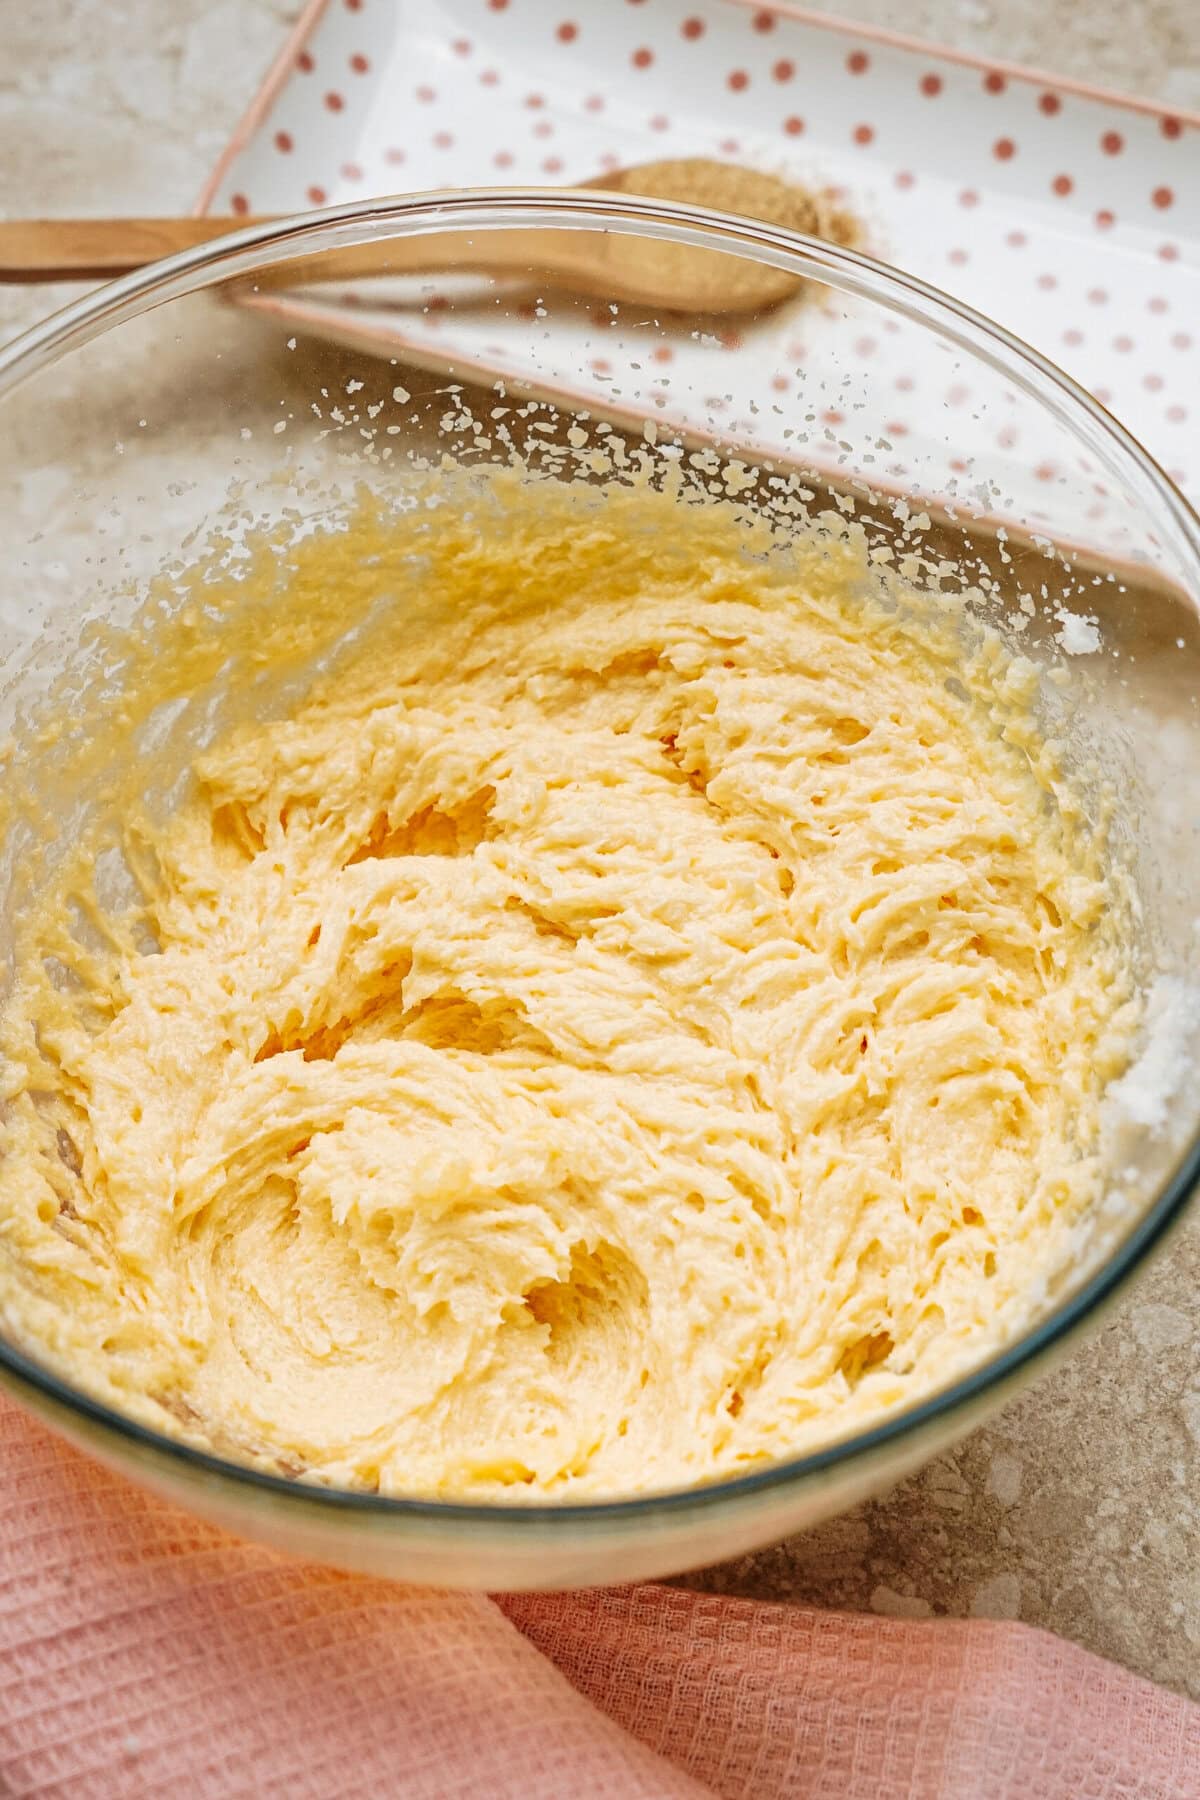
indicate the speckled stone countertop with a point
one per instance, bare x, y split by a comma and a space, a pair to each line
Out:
1079, 1509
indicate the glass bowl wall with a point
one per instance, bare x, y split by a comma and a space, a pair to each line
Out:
131, 418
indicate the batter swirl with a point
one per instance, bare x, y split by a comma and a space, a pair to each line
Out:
642, 1019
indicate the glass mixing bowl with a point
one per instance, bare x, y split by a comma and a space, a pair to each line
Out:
128, 417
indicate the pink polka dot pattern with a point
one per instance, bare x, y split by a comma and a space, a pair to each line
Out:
1073, 217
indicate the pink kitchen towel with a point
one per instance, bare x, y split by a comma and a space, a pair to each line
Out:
145, 1654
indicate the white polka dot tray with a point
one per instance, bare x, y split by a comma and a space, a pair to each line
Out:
1070, 215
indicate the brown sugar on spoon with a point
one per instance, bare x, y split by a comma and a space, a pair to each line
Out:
706, 280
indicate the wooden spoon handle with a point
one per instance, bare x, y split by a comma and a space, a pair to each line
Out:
95, 249
92, 249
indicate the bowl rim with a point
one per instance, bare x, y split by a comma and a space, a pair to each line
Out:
236, 256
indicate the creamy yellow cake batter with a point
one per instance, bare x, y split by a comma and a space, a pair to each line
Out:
632, 1020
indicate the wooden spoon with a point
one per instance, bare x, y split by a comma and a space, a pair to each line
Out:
602, 264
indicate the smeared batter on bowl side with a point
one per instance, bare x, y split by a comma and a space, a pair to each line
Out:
643, 1013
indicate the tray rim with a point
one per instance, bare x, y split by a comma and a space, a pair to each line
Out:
280, 69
